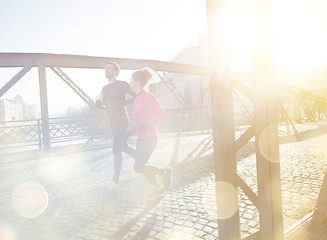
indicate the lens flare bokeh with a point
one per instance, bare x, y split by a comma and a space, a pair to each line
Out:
263, 144
226, 199
6, 233
30, 199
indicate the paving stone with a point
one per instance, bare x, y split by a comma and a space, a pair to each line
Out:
168, 225
178, 222
252, 224
213, 225
200, 234
248, 216
198, 226
208, 230
189, 224
81, 207
194, 214
244, 228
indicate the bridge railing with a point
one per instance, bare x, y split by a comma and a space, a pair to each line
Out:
15, 134
28, 133
12, 133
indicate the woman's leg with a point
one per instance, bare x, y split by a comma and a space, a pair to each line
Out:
127, 149
144, 149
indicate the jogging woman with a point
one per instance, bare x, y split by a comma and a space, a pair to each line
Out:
147, 113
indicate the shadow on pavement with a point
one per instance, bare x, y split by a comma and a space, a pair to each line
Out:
303, 135
147, 227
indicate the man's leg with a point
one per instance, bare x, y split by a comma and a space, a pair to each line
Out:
118, 160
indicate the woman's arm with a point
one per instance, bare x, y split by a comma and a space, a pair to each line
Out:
132, 94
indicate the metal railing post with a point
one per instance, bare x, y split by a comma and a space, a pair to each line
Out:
39, 136
44, 108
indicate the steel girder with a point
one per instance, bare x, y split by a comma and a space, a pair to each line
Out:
78, 61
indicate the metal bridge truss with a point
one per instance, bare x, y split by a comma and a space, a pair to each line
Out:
308, 107
295, 105
57, 62
267, 108
192, 116
172, 88
267, 199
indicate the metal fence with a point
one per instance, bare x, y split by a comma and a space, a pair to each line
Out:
28, 133
15, 134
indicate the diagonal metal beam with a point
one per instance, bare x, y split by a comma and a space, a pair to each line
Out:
75, 88
248, 191
307, 110
81, 94
172, 88
244, 138
239, 143
242, 88
16, 78
287, 118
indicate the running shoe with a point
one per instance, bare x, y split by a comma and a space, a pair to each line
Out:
112, 185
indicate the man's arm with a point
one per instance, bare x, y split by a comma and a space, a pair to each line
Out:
99, 102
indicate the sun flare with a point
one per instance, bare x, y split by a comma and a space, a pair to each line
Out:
299, 33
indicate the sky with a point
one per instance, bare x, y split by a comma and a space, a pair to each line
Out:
143, 29
151, 29
147, 29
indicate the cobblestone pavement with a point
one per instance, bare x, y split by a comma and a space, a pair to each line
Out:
65, 196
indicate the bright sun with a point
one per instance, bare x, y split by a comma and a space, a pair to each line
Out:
300, 33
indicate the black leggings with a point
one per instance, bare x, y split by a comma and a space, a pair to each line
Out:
120, 145
144, 149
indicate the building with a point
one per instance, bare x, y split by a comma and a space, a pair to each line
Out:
15, 110
10, 110
186, 97
194, 89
